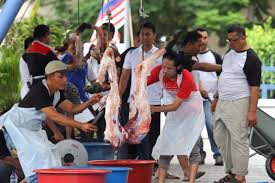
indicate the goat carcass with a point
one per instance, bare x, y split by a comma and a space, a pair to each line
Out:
140, 114
114, 132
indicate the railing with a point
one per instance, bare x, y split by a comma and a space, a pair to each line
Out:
268, 72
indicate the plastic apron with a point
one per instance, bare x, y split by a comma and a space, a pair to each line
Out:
182, 127
34, 150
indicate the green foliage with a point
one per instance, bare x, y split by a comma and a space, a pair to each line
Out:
11, 51
261, 39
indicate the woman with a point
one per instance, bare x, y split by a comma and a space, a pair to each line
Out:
184, 121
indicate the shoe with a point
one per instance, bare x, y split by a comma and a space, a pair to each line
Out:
218, 160
203, 156
199, 174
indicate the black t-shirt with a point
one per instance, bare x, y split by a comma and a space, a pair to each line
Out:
39, 97
186, 61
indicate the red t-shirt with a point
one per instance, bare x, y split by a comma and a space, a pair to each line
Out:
187, 84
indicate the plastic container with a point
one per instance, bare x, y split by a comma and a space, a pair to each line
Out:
142, 169
99, 151
118, 174
66, 175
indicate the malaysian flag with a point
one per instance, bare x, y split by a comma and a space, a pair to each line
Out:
118, 11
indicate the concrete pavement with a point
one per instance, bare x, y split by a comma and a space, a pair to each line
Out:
257, 172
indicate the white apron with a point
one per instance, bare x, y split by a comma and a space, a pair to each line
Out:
182, 127
34, 150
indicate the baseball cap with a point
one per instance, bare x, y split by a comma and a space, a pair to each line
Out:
55, 66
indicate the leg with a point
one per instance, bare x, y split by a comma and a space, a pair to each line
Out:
222, 136
202, 152
194, 161
164, 163
239, 133
209, 122
144, 149
154, 130
183, 160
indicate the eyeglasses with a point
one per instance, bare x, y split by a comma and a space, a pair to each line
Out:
232, 40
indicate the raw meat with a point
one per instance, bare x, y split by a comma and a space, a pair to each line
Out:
140, 114
114, 132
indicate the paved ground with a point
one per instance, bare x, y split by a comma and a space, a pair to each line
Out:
256, 174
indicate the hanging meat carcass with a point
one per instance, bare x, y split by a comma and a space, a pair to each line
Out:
140, 114
114, 132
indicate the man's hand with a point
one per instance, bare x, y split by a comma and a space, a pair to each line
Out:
213, 105
252, 118
87, 127
95, 98
204, 94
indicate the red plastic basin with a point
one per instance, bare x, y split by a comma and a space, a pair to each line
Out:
142, 169
71, 175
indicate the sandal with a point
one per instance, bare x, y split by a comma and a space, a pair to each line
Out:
199, 174
226, 178
168, 176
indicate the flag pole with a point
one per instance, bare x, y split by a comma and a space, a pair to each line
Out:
127, 26
131, 24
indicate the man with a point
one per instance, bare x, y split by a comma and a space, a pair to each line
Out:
209, 83
24, 121
191, 46
23, 68
238, 92
132, 59
38, 55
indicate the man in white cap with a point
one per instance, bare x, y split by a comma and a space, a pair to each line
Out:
24, 121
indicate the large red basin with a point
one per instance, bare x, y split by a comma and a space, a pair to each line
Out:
71, 175
142, 169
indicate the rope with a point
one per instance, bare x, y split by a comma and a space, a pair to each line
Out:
109, 13
143, 16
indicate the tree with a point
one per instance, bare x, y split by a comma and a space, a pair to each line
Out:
173, 14
264, 47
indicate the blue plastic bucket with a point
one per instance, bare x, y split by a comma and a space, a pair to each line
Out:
99, 151
118, 175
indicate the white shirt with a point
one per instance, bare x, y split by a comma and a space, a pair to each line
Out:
25, 77
93, 68
132, 59
209, 80
233, 83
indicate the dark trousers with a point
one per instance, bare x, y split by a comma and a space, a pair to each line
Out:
147, 144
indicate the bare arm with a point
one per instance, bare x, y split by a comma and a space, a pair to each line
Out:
68, 106
61, 119
168, 108
123, 81
254, 95
207, 67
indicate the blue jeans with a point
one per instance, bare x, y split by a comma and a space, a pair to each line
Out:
32, 179
209, 122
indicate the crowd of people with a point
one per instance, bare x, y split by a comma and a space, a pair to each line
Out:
193, 85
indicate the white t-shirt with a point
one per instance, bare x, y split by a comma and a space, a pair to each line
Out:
240, 70
132, 59
209, 80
